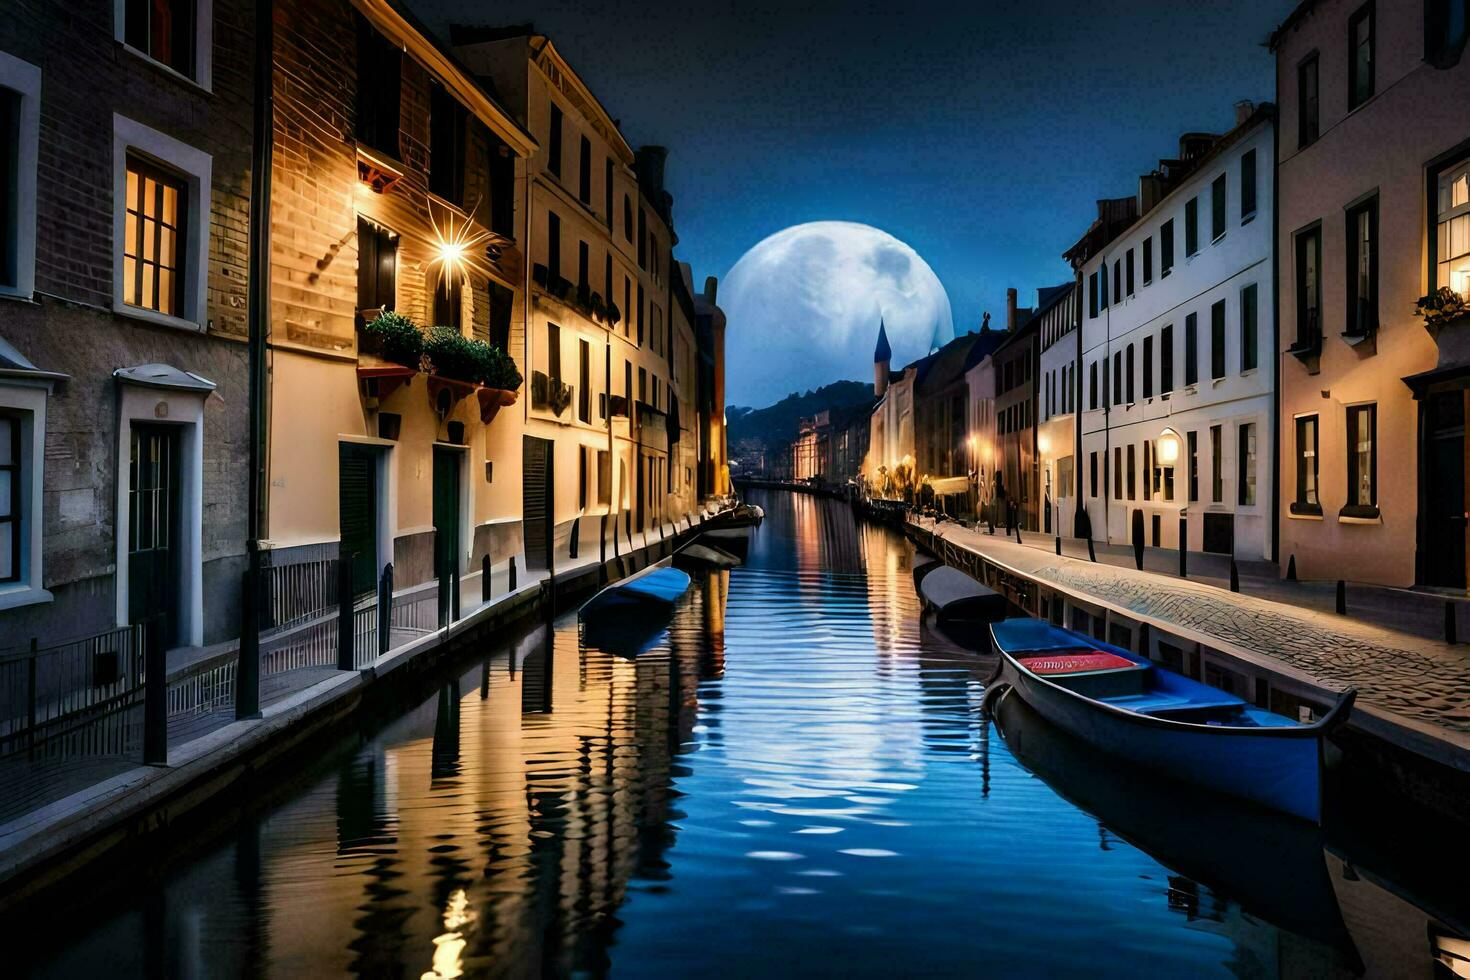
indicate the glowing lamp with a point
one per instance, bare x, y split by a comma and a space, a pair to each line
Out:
1167, 447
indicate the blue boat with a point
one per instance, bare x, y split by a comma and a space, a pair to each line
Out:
659, 586
1124, 704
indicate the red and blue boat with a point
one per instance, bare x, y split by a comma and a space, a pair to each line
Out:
1124, 704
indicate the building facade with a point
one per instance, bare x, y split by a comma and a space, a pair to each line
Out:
1373, 169
1056, 410
124, 208
1014, 482
1178, 399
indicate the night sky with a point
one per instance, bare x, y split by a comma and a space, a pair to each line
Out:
979, 137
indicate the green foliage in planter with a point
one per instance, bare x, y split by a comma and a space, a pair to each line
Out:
459, 358
397, 337
1441, 306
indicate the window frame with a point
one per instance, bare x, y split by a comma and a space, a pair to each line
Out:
1300, 506
1217, 340
1354, 508
1455, 161
23, 79
202, 71
1191, 349
1365, 13
555, 139
1246, 463
1308, 331
1166, 248
1308, 125
1219, 208
1191, 227
1250, 321
1148, 260
25, 401
1362, 322
1166, 360
1248, 187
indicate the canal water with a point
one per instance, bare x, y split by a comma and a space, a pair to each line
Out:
794, 778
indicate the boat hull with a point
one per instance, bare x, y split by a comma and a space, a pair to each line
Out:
1279, 769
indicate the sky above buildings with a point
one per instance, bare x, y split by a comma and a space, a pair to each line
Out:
979, 135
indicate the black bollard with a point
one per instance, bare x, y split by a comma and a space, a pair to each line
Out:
602, 541
1059, 544
385, 609
454, 595
1291, 569
512, 573
1451, 628
1091, 550
247, 666
155, 694
346, 659
576, 538
1138, 539
1234, 576
485, 578
1341, 597
1183, 548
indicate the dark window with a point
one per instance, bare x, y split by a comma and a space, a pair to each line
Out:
642, 239
163, 30
553, 142
1362, 456
1148, 469
1217, 478
1446, 24
1248, 183
1092, 386
553, 248
1128, 376
1217, 208
607, 203
553, 351
1129, 272
1117, 377
627, 305
9, 185
1193, 441
1245, 464
1102, 278
12, 477
1307, 128
1092, 295
584, 172
502, 300
1360, 56
1309, 288
1217, 340
502, 188
1166, 359
1148, 367
1248, 336
640, 314
1148, 260
1306, 466
1191, 349
1166, 247
1092, 466
377, 267
584, 391
447, 121
1117, 472
1191, 226
584, 273
627, 217
607, 279
1132, 475
1117, 280
449, 300
379, 79
1362, 268
153, 242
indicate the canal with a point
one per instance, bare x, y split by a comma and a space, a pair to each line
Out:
795, 778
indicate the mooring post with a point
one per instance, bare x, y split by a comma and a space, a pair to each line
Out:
512, 573
454, 594
602, 541
385, 609
345, 658
155, 695
576, 538
1341, 597
1091, 549
485, 591
1451, 628
1234, 575
1183, 547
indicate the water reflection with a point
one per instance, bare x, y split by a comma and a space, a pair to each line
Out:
794, 777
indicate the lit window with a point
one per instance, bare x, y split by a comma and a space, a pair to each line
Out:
1307, 501
1246, 460
1452, 244
1362, 273
153, 272
1362, 460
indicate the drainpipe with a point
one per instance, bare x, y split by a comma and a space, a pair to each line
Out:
247, 694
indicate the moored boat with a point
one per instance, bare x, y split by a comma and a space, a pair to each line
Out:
658, 585
1120, 702
955, 596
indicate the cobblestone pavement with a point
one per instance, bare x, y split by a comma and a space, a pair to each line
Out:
1397, 672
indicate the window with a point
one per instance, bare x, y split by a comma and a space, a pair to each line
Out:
12, 478
1117, 280
1307, 129
1166, 247
627, 217
164, 30
501, 302
1166, 359
1445, 31
1193, 441
1452, 232
1102, 278
604, 476
1148, 469
1362, 461
1308, 288
1217, 340
447, 124
627, 305
1249, 341
1064, 477
642, 239
1129, 375
584, 274
1148, 367
1191, 226
379, 85
1092, 473
502, 187
449, 299
553, 248
1306, 501
1362, 269
640, 314
20, 90
1117, 472
1092, 386
607, 202
1132, 476
377, 267
1117, 377
1360, 56
553, 351
584, 391
1148, 260
1217, 208
553, 141
1247, 184
584, 173
1245, 482
1092, 295
1191, 349
1129, 271
1217, 476
153, 243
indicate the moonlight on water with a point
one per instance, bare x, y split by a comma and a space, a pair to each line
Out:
803, 307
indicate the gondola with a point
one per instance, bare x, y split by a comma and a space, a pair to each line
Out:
1122, 703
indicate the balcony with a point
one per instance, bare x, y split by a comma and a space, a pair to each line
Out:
580, 298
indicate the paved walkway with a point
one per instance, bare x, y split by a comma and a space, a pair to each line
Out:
1414, 677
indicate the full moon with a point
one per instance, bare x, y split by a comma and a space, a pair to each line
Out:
803, 308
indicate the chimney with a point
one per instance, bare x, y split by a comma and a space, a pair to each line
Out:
1243, 110
1150, 191
648, 164
711, 287
1011, 309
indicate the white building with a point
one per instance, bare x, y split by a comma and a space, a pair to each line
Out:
1177, 367
1056, 406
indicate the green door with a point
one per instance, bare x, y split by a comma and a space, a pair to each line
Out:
446, 511
153, 525
357, 495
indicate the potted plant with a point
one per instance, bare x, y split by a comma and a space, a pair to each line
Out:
1441, 308
395, 338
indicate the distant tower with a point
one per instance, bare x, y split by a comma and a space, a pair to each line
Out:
882, 354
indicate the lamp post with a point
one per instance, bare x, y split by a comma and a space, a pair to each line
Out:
1166, 451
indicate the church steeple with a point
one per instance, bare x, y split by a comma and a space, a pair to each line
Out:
882, 355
